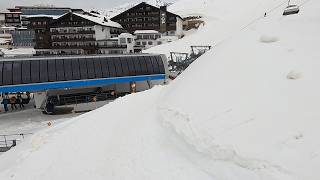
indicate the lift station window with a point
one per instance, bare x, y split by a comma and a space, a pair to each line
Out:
26, 74
7, 73
105, 67
68, 69
75, 69
16, 75
60, 70
52, 70
83, 69
90, 67
97, 67
44, 71
1, 72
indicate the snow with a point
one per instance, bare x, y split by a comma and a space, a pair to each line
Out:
100, 20
18, 51
247, 109
42, 15
146, 32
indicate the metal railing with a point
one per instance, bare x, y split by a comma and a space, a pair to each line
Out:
9, 141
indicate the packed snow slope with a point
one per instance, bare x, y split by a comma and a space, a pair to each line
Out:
248, 109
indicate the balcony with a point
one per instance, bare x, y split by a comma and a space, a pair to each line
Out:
111, 46
72, 39
73, 32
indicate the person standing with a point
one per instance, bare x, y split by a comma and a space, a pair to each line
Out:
5, 101
20, 101
13, 101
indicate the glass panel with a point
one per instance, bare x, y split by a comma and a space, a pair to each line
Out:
26, 73
105, 67
97, 67
1, 71
35, 71
60, 70
161, 65
83, 68
124, 65
117, 67
7, 73
68, 69
137, 66
75, 69
90, 66
44, 71
144, 69
155, 65
149, 64
130, 62
17, 72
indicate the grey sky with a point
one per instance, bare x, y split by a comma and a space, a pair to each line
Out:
85, 4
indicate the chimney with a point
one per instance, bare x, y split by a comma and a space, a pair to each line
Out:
163, 19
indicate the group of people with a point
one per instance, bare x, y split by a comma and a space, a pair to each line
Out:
13, 100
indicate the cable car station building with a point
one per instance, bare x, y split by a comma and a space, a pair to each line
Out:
46, 76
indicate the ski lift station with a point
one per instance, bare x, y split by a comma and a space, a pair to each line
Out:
54, 76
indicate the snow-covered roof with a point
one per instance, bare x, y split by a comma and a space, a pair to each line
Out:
99, 19
126, 35
42, 15
146, 32
8, 27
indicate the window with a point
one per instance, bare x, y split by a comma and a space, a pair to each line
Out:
159, 42
138, 43
150, 43
122, 40
129, 40
144, 43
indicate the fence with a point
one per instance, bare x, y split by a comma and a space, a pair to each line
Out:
9, 141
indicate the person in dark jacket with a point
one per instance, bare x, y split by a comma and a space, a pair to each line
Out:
20, 101
5, 102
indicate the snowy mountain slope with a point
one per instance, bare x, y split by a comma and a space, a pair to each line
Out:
258, 97
248, 109
222, 20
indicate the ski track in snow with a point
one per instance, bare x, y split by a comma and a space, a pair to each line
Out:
181, 124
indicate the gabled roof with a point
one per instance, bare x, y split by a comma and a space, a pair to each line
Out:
101, 20
144, 4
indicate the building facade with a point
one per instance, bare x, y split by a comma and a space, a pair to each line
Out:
146, 17
10, 19
75, 33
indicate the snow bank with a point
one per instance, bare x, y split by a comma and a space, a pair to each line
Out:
233, 114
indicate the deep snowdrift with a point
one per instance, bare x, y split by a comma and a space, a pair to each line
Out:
248, 109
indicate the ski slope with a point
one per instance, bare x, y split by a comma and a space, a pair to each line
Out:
248, 109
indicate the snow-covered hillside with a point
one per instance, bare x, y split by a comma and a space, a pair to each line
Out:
248, 109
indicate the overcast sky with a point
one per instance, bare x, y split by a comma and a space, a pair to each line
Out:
85, 4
